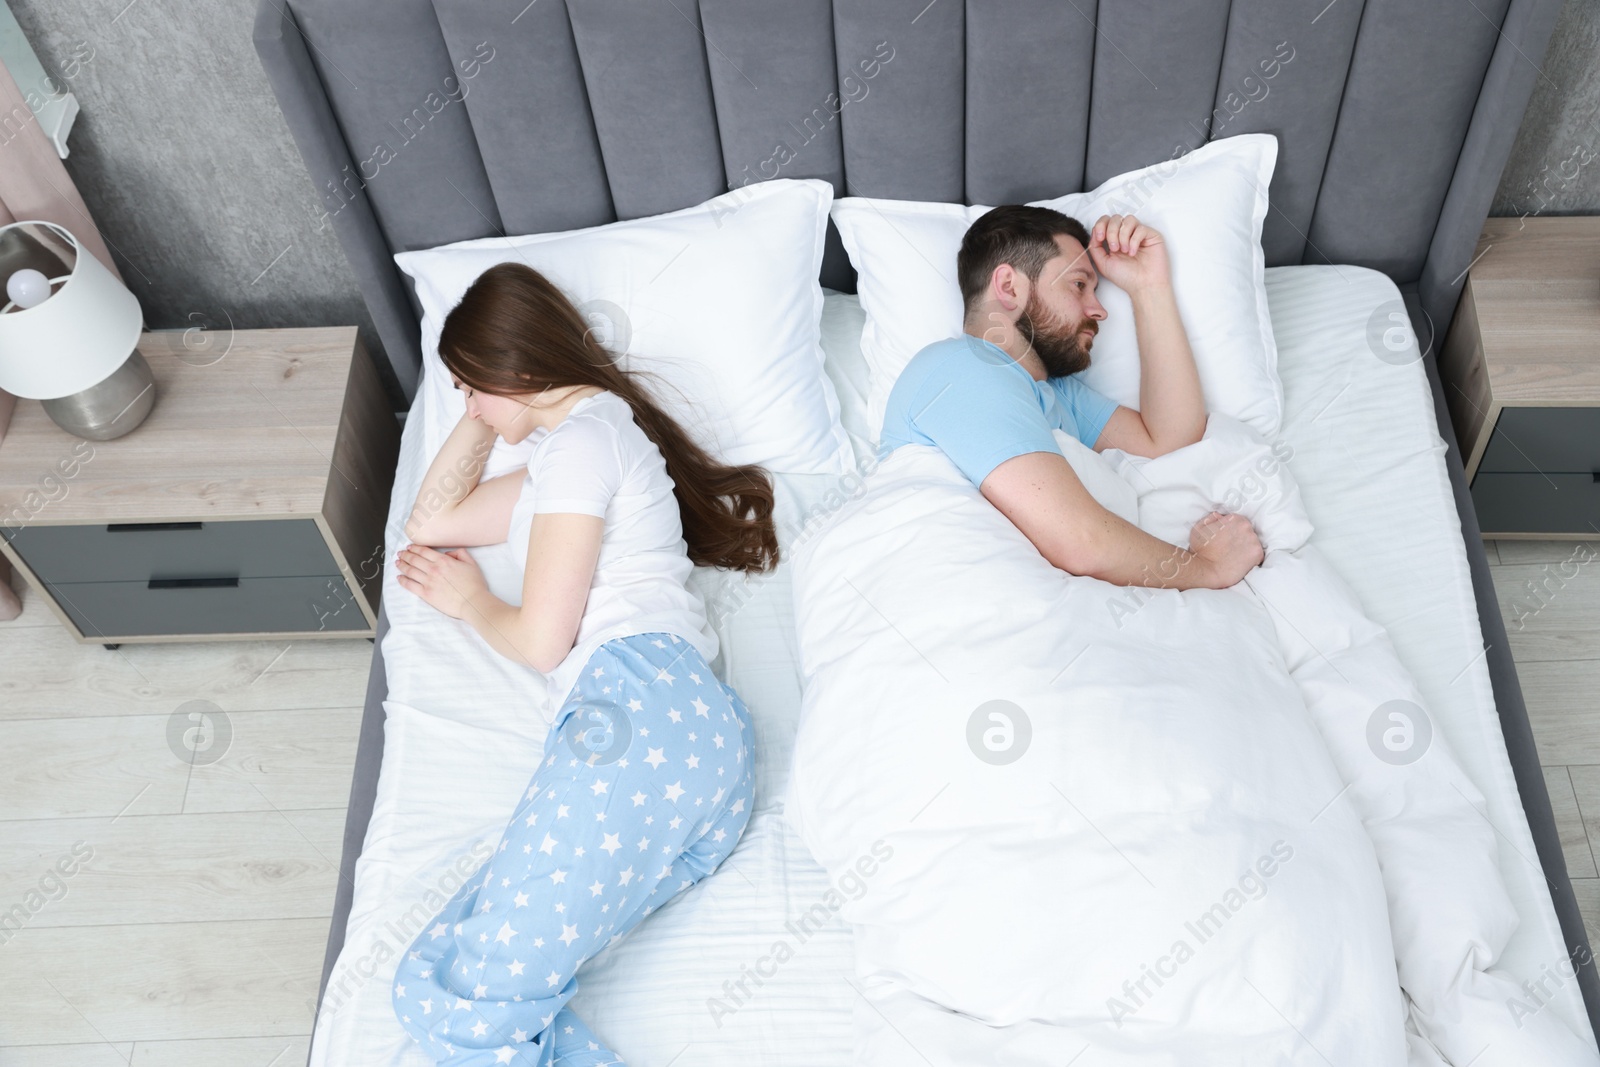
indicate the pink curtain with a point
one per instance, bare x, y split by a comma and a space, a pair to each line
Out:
34, 185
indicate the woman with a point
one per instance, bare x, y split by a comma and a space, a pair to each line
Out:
646, 782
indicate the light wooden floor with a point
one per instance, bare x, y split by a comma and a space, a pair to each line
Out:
194, 933
1550, 600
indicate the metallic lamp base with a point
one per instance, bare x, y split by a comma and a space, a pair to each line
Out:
111, 407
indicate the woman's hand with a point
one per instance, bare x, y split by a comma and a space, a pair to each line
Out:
449, 581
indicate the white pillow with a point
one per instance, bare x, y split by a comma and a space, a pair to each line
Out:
1208, 204
842, 322
719, 301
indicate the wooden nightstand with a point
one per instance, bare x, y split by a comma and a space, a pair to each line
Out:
251, 503
1521, 373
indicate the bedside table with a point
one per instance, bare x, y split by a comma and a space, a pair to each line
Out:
250, 504
1521, 375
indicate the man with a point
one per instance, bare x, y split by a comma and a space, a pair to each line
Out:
990, 398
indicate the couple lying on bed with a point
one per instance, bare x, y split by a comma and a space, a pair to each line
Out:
646, 782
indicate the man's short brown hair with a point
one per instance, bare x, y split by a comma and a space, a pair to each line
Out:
1022, 236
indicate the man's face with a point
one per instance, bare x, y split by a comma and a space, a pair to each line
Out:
1062, 316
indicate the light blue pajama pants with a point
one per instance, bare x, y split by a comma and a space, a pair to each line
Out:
644, 789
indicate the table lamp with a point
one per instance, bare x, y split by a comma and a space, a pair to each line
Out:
68, 331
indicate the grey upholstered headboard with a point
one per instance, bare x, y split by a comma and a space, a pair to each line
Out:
430, 121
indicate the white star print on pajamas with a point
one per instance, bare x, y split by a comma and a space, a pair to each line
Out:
592, 849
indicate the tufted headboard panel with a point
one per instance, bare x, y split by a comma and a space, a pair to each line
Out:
430, 121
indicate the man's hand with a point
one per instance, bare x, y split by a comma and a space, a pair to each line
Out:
1227, 547
1129, 254
449, 581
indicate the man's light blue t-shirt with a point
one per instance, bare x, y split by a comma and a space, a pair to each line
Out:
968, 398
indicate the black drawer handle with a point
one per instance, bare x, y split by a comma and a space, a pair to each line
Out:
137, 527
194, 583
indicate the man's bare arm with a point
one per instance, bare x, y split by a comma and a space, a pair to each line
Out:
1042, 496
1172, 410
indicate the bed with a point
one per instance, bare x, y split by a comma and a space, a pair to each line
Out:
1367, 197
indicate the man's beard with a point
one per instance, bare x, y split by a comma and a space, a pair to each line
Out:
1058, 346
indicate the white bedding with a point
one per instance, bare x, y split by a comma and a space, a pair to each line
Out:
1069, 792
754, 965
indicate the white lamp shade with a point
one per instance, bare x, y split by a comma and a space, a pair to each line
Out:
76, 337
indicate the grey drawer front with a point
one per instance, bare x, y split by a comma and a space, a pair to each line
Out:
136, 552
1537, 503
1553, 440
254, 605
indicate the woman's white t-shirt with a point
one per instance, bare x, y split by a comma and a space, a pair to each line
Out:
597, 461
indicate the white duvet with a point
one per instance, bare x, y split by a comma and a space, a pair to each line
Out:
1106, 826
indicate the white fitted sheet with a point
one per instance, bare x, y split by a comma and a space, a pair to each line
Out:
726, 974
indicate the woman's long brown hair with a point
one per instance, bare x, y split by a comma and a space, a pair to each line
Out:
515, 333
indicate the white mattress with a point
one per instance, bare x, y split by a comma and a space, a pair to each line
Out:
725, 974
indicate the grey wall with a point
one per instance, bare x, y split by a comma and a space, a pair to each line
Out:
1554, 167
185, 161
